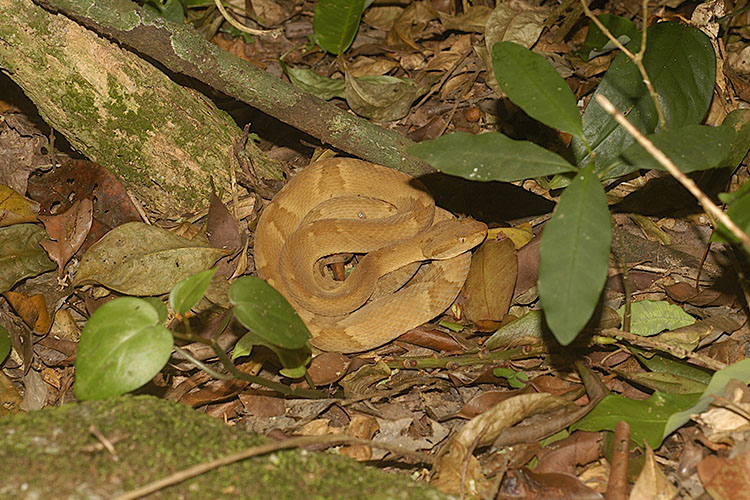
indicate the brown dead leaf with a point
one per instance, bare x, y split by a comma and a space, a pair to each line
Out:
327, 368
223, 231
525, 483
410, 22
472, 20
263, 406
726, 478
363, 427
485, 400
22, 151
490, 283
31, 309
580, 448
57, 190
67, 232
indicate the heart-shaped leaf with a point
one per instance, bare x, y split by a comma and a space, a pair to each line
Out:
122, 347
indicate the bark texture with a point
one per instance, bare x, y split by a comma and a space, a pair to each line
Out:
182, 50
164, 140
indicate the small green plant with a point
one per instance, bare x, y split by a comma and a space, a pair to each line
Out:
574, 252
125, 344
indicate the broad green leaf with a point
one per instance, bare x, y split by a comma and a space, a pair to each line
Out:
122, 347
21, 255
597, 43
681, 64
691, 148
138, 259
489, 157
532, 83
647, 418
670, 383
186, 294
5, 343
530, 325
321, 86
649, 317
336, 23
574, 256
739, 370
267, 314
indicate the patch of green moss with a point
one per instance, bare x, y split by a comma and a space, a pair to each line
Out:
52, 454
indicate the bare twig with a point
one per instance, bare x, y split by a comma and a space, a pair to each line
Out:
272, 33
708, 205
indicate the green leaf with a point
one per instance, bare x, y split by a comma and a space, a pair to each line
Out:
681, 64
664, 382
5, 343
739, 121
21, 255
691, 148
122, 347
597, 43
171, 10
533, 84
739, 212
309, 81
489, 157
647, 418
266, 313
739, 370
336, 23
186, 294
649, 317
663, 364
293, 361
138, 259
574, 256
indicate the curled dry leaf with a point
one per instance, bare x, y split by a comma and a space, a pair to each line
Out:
67, 232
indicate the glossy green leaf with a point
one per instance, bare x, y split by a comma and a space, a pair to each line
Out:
681, 64
267, 314
670, 383
532, 84
647, 418
138, 259
574, 256
186, 294
336, 23
691, 148
21, 255
739, 371
489, 157
597, 43
649, 317
739, 121
122, 346
5, 343
293, 361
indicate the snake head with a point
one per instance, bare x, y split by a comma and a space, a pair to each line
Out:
450, 238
